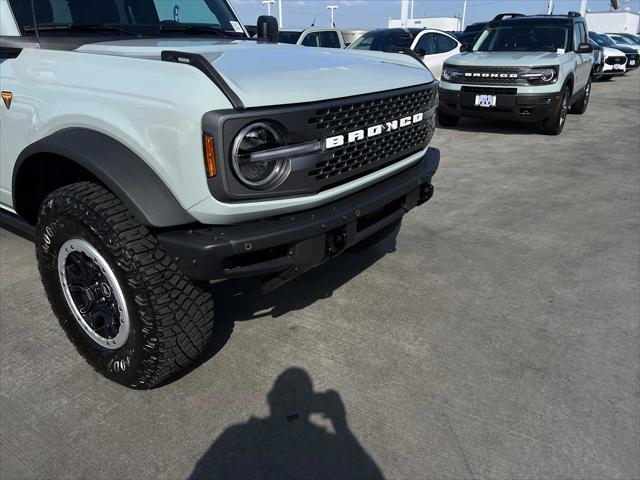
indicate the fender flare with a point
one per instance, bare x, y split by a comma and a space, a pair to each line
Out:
120, 170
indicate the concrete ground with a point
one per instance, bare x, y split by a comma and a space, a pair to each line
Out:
499, 338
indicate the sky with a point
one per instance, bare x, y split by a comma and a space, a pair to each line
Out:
375, 13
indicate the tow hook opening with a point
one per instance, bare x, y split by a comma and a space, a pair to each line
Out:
426, 192
336, 241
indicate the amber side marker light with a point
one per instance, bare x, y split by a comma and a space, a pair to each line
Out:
209, 155
6, 98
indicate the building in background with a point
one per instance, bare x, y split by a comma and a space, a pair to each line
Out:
448, 24
619, 21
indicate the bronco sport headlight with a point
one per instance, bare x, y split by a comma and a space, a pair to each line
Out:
541, 76
451, 73
253, 168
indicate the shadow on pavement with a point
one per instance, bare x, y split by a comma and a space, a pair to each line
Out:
306, 436
504, 127
242, 300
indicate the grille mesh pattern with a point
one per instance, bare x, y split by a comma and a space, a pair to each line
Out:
490, 90
367, 155
346, 118
374, 151
615, 60
488, 79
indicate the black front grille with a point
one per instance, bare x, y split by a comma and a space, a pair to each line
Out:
365, 156
490, 90
615, 60
490, 75
376, 151
354, 116
319, 121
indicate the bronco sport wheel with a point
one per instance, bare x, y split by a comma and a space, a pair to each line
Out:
554, 124
581, 105
121, 301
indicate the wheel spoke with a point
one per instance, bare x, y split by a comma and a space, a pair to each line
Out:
92, 291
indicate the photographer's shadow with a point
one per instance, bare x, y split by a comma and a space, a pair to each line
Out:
306, 436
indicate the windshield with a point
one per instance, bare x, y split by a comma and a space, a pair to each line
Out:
382, 40
623, 40
288, 37
523, 38
633, 38
138, 17
601, 40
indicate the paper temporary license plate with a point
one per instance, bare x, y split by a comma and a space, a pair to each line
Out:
632, 62
485, 100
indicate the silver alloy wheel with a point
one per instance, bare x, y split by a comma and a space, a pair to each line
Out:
587, 93
564, 109
93, 293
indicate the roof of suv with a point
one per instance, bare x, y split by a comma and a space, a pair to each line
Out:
547, 19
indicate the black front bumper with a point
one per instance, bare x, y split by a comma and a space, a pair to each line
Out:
510, 105
289, 245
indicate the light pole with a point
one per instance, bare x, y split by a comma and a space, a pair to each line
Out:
280, 12
333, 9
583, 7
549, 7
268, 3
464, 13
412, 1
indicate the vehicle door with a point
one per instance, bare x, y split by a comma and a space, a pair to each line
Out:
14, 118
436, 48
583, 61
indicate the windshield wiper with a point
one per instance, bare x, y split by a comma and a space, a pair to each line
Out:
193, 28
78, 27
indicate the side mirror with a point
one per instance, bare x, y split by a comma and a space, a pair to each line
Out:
465, 47
584, 48
421, 52
267, 29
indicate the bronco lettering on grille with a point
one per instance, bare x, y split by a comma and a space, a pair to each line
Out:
372, 131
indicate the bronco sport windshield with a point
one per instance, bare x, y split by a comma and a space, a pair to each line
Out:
523, 37
129, 17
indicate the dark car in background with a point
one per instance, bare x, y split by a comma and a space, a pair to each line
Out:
633, 57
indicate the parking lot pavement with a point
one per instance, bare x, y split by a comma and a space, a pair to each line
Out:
497, 338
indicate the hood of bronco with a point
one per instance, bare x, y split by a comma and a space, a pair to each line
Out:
506, 59
279, 74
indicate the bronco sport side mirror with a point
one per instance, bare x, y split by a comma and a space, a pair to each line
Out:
584, 48
267, 28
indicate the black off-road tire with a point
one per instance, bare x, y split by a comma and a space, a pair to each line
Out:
170, 319
377, 237
447, 120
581, 105
555, 124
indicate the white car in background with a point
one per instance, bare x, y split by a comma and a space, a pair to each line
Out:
432, 46
312, 37
614, 63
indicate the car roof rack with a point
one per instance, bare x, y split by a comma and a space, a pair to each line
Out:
497, 18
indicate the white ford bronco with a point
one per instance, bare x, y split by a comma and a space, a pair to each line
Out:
151, 147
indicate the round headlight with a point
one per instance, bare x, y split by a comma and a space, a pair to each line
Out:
547, 74
255, 138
